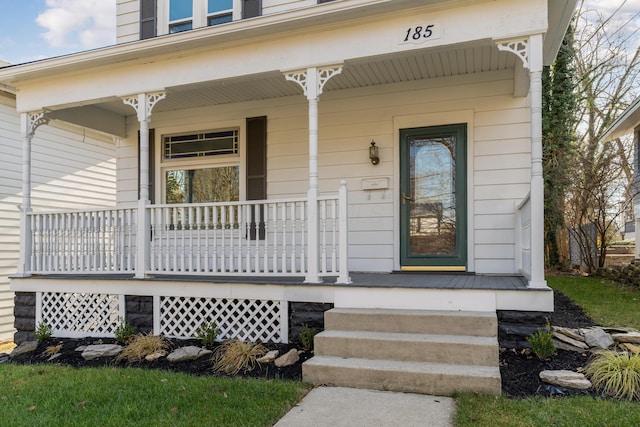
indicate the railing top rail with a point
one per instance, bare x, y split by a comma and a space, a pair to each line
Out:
523, 202
72, 211
239, 203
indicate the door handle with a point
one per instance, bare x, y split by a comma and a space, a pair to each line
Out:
406, 198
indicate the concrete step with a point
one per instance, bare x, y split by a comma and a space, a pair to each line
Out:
450, 349
413, 321
402, 376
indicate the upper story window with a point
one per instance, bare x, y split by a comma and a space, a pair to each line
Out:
219, 11
180, 15
183, 15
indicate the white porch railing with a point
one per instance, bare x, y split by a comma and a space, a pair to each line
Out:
523, 236
94, 241
260, 238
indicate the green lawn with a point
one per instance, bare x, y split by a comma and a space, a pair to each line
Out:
482, 410
62, 396
608, 304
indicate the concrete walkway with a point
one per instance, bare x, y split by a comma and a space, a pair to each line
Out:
340, 406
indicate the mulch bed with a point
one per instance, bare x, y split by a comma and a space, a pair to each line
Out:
518, 367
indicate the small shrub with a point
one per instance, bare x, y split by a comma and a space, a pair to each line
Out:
616, 374
541, 342
124, 331
208, 333
43, 331
234, 356
306, 337
142, 345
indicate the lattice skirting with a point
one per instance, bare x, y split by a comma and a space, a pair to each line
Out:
244, 319
77, 315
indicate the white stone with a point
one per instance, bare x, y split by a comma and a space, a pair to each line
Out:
632, 337
564, 378
288, 359
571, 333
25, 347
571, 341
269, 357
101, 350
187, 353
597, 337
155, 356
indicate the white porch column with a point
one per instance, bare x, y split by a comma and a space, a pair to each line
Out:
143, 103
29, 122
312, 81
529, 50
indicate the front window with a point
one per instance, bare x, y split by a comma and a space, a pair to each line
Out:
180, 15
219, 12
201, 167
205, 185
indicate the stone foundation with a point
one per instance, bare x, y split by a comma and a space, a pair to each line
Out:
139, 312
515, 326
309, 313
24, 312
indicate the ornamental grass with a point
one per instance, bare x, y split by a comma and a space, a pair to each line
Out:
617, 374
235, 356
142, 345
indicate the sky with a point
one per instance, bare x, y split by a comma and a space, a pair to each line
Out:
36, 29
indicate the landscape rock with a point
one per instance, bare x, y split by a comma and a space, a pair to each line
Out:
155, 356
570, 341
288, 359
564, 378
81, 348
54, 357
630, 347
92, 352
630, 337
269, 357
570, 332
4, 357
597, 337
190, 352
25, 347
566, 347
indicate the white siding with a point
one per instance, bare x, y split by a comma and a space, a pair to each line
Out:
70, 170
127, 20
499, 168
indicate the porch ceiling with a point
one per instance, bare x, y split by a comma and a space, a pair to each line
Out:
356, 74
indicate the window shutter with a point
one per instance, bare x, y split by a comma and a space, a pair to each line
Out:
257, 165
251, 8
152, 165
148, 19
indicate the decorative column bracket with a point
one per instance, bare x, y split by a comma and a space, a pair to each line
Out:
313, 79
33, 122
519, 48
143, 103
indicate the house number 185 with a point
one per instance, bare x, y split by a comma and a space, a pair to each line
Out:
419, 32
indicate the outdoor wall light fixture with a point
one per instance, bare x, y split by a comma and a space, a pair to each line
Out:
373, 153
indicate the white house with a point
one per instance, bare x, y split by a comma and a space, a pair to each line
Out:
370, 154
73, 168
629, 123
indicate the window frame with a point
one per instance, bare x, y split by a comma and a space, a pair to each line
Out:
200, 18
202, 162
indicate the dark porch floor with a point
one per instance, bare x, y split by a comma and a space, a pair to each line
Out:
378, 280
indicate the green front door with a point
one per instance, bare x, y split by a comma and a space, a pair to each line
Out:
433, 198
